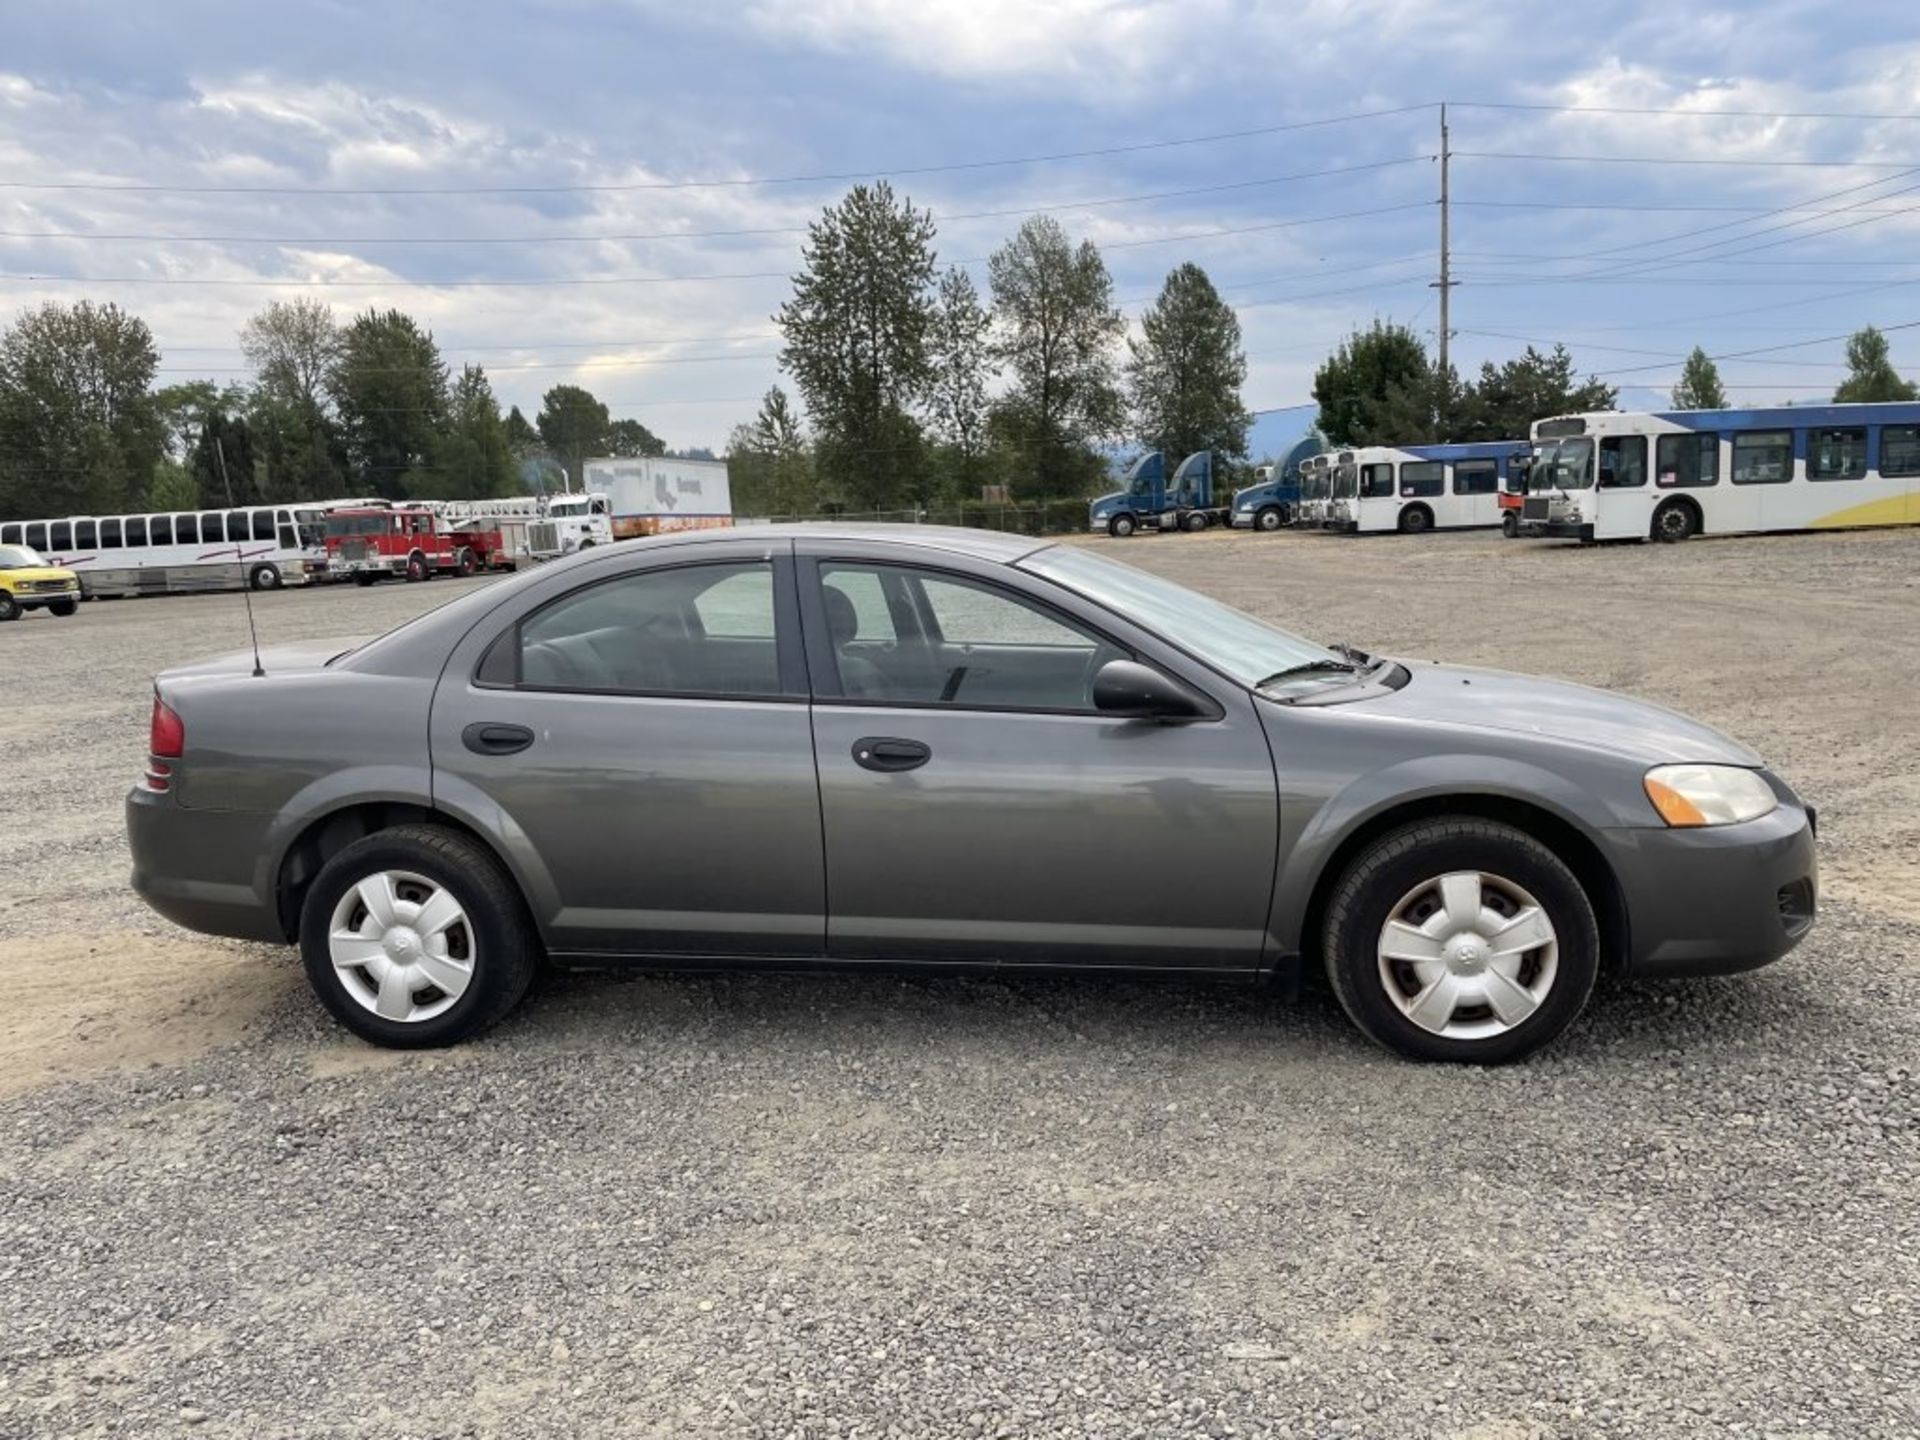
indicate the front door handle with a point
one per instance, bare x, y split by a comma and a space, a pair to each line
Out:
881, 752
492, 738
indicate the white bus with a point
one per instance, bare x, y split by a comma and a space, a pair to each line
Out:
1612, 475
1316, 488
1416, 488
264, 546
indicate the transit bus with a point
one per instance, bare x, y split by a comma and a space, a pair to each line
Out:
1416, 488
1612, 475
262, 546
1316, 488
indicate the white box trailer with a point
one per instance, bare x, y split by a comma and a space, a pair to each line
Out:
650, 496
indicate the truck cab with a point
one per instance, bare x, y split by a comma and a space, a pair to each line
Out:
1152, 500
1272, 502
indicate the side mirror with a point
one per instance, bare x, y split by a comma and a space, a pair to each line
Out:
1126, 687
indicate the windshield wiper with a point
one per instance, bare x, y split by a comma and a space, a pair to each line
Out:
1310, 667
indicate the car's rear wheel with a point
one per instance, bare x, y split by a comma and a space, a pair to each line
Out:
415, 937
63, 608
1461, 939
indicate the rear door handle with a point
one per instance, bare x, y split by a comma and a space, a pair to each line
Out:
491, 738
881, 752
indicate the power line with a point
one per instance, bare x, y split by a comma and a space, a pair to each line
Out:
1681, 112
729, 182
1767, 349
1683, 160
1754, 212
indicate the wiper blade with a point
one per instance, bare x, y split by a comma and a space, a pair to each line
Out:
1310, 667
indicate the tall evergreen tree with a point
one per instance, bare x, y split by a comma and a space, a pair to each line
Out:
630, 437
472, 460
389, 385
856, 340
960, 344
1699, 387
1187, 370
1354, 382
573, 427
769, 464
1058, 336
1870, 373
1510, 397
293, 346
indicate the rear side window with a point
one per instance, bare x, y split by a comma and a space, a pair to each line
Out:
62, 535
10, 535
160, 530
86, 535
1686, 461
1623, 462
1763, 457
1422, 478
1476, 477
37, 536
1900, 450
1837, 454
695, 630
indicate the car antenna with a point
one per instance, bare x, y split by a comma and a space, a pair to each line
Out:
246, 587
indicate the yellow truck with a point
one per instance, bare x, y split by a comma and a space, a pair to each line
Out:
28, 582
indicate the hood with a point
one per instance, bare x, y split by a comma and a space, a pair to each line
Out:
1556, 709
274, 659
1105, 502
38, 573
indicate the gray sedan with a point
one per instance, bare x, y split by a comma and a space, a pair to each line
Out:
816, 746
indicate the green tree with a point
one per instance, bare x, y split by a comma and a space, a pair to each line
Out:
294, 347
389, 386
573, 428
1422, 409
1187, 370
1058, 336
1870, 373
769, 462
79, 429
1354, 382
471, 460
628, 438
183, 410
1508, 398
222, 464
856, 341
1699, 387
961, 355
173, 487
522, 437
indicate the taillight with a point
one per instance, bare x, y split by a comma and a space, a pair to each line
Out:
166, 740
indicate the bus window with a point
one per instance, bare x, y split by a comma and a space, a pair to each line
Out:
263, 525
186, 530
1763, 457
238, 526
1837, 454
1376, 481
160, 530
10, 535
1900, 450
1623, 462
1422, 477
37, 537
60, 535
1475, 477
109, 534
1686, 460
136, 531
86, 535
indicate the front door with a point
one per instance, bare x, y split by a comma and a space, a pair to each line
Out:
645, 741
977, 809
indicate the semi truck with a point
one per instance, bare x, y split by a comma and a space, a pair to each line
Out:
1272, 502
650, 495
1152, 500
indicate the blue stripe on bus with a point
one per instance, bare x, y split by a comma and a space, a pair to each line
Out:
1794, 417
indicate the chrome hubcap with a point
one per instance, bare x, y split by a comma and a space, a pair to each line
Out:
402, 946
1468, 955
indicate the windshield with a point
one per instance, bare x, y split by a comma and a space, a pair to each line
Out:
1562, 464
20, 557
1346, 481
312, 528
359, 524
1234, 643
567, 507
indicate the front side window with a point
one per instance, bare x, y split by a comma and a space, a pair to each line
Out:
1376, 482
1900, 450
1623, 462
1837, 454
704, 630
239, 526
906, 636
1763, 457
263, 525
1686, 461
1422, 478
1476, 477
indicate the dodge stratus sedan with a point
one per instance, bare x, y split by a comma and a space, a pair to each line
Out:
903, 746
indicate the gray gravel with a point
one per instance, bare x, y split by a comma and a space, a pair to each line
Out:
872, 1206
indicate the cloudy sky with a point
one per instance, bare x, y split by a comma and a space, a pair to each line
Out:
611, 192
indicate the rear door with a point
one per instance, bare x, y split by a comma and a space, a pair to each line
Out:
637, 731
977, 809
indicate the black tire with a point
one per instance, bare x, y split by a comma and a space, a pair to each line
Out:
362, 578
264, 577
63, 608
1391, 868
9, 607
1195, 522
507, 948
1121, 526
416, 568
1416, 520
586, 544
1509, 525
467, 564
1269, 519
1674, 521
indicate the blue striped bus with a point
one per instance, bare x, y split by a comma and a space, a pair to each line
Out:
1416, 488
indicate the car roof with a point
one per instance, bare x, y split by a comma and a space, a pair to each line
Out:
991, 545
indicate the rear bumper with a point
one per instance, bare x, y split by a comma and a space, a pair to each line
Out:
197, 867
1719, 900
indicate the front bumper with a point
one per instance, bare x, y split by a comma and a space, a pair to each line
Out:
38, 599
1563, 529
1345, 527
1242, 520
1716, 900
197, 867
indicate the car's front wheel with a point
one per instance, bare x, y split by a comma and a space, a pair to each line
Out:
416, 937
1461, 939
61, 609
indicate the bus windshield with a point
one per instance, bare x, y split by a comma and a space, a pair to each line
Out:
359, 524
1563, 465
311, 526
1346, 482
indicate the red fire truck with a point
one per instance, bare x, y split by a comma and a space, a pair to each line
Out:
371, 542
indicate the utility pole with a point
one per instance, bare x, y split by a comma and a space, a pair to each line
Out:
1445, 284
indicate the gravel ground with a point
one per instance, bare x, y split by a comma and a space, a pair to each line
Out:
870, 1206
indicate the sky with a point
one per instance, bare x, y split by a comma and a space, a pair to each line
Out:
612, 192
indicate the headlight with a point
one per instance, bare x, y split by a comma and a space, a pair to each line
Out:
1693, 795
